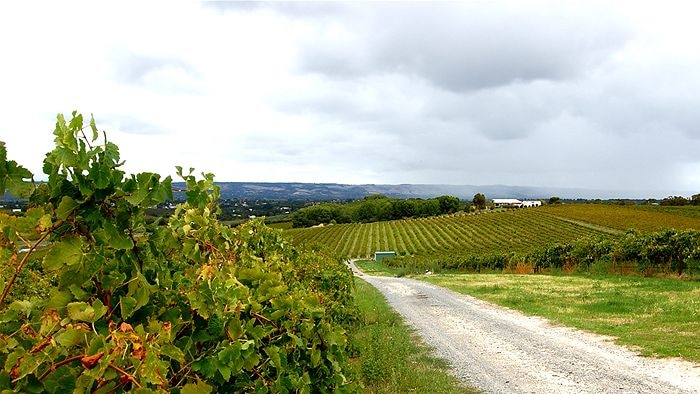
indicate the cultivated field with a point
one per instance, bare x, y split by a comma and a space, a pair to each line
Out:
641, 217
516, 231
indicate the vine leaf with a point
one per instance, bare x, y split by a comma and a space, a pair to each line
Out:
66, 252
196, 388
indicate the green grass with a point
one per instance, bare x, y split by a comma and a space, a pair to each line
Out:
280, 225
389, 357
371, 267
657, 316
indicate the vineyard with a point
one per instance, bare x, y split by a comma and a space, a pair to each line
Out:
486, 233
643, 217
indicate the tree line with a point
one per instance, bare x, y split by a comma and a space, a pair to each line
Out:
375, 208
681, 201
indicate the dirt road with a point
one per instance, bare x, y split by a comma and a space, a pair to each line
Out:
502, 351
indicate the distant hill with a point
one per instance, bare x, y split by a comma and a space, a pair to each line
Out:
334, 191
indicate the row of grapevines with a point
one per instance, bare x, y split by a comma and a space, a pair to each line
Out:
468, 234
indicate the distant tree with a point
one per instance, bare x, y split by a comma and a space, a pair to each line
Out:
402, 209
695, 199
676, 201
448, 204
479, 201
554, 200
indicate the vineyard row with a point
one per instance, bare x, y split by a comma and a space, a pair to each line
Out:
515, 231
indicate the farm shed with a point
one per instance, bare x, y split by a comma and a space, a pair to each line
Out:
379, 256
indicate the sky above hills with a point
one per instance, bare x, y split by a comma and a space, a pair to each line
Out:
577, 94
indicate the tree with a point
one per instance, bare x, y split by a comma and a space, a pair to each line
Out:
448, 204
479, 201
676, 201
695, 199
554, 200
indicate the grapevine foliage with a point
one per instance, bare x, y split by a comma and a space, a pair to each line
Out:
184, 305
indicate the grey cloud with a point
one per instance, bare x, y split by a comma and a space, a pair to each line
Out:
165, 74
132, 125
301, 9
484, 93
465, 46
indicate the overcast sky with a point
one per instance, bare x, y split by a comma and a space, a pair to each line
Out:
563, 94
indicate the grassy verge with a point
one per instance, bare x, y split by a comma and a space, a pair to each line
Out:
388, 357
657, 316
371, 267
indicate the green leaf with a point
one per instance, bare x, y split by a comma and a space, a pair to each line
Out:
59, 299
70, 337
67, 252
234, 328
93, 127
315, 357
12, 176
205, 366
127, 305
274, 353
100, 309
81, 311
117, 239
66, 207
76, 122
196, 388
24, 307
45, 222
173, 352
78, 292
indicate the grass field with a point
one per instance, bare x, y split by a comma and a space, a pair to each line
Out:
658, 316
391, 359
623, 217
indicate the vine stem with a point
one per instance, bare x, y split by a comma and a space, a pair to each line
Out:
263, 318
59, 364
20, 265
125, 374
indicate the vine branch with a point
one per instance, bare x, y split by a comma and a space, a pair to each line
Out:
20, 265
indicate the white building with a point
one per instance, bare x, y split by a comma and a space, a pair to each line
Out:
513, 203
507, 203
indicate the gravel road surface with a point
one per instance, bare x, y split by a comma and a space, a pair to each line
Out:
499, 350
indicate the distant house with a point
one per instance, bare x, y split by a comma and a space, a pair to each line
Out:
507, 203
513, 203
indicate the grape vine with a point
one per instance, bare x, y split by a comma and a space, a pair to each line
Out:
184, 305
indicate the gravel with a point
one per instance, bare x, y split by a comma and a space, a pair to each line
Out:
498, 350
